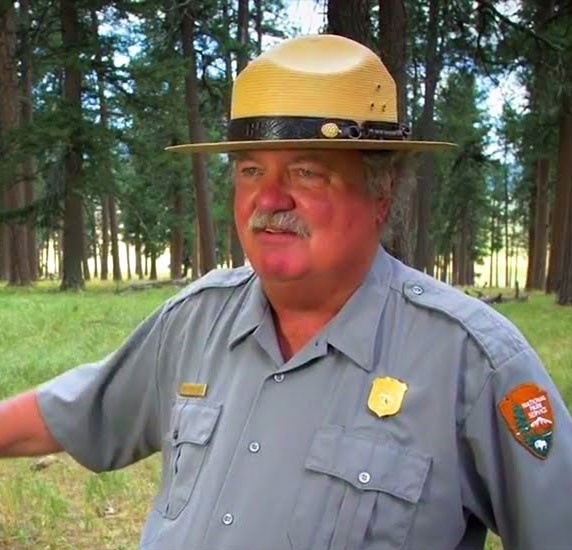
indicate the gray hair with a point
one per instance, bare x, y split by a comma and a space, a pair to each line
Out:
376, 166
397, 187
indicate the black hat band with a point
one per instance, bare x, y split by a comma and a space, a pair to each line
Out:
267, 128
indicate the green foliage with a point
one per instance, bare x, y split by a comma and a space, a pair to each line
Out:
463, 200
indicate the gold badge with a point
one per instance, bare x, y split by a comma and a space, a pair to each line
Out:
386, 396
330, 130
187, 389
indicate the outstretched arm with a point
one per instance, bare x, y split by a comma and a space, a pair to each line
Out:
23, 431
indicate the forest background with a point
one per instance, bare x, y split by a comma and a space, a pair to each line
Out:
91, 92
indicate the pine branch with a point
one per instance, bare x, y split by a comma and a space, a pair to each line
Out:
486, 6
23, 214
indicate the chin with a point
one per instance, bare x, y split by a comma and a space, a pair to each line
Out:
280, 268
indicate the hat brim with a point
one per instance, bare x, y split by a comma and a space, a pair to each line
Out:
361, 144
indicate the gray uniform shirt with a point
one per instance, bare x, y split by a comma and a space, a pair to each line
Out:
289, 456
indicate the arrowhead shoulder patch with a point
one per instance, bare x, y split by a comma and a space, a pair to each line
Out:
528, 414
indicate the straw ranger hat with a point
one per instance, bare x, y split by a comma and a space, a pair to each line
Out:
315, 92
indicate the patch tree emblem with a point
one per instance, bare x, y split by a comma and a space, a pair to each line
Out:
528, 413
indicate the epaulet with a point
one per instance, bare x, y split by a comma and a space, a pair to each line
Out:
497, 337
217, 278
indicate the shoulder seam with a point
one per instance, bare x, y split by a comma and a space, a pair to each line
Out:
519, 345
223, 278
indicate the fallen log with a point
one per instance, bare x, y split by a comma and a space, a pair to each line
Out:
145, 285
498, 298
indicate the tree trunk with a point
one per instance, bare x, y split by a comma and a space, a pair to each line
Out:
541, 224
28, 167
95, 250
236, 251
85, 261
127, 255
13, 190
138, 265
196, 133
400, 236
507, 275
73, 207
177, 235
393, 48
544, 9
258, 24
531, 236
493, 235
153, 260
463, 254
565, 290
196, 253
114, 237
351, 19
58, 238
563, 184
426, 131
4, 247
104, 238
455, 272
445, 269
108, 198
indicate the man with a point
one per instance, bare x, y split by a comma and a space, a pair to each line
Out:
330, 397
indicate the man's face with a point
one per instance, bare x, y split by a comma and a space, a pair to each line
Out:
305, 212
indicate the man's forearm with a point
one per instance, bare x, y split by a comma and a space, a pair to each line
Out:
23, 431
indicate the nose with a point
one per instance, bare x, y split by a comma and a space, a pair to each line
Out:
274, 195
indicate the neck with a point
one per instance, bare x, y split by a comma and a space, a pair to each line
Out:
301, 308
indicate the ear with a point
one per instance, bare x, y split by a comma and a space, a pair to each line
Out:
382, 210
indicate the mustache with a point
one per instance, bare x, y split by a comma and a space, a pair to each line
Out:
279, 221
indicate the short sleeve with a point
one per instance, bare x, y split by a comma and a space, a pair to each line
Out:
106, 414
518, 463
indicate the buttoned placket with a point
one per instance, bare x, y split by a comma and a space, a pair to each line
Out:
252, 440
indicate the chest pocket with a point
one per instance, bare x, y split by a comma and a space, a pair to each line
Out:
192, 425
356, 486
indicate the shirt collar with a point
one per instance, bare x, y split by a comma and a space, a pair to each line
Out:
251, 313
353, 330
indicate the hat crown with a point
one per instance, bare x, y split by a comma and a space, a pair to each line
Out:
324, 76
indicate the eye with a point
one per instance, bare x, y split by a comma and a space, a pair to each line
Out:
249, 171
308, 174
305, 173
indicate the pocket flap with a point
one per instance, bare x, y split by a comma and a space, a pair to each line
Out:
193, 421
369, 463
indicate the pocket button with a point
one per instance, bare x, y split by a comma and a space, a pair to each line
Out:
364, 478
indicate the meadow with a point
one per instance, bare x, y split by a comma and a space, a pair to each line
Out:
56, 504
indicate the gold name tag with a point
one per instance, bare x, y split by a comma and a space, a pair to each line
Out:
187, 389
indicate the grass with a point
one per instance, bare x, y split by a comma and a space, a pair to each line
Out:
65, 507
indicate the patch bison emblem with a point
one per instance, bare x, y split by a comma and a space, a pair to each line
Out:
528, 413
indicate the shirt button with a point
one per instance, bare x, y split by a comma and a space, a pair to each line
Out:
254, 447
364, 477
416, 289
227, 519
278, 378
